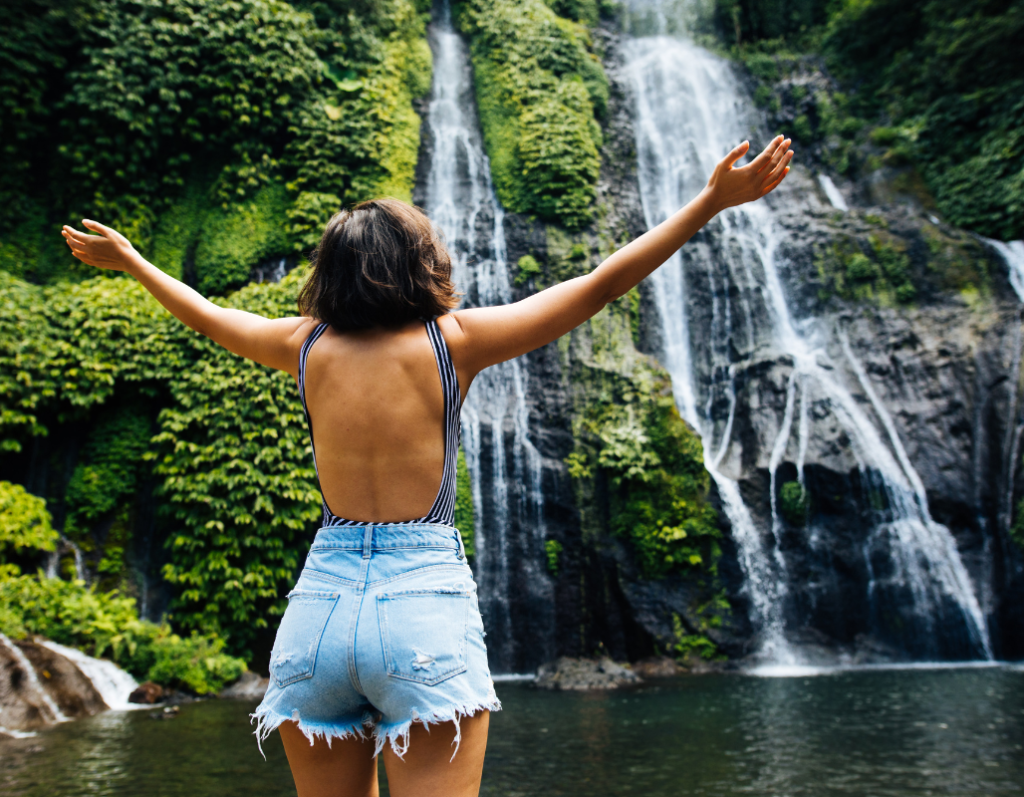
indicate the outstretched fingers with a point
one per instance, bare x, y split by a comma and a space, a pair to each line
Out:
762, 160
773, 185
779, 167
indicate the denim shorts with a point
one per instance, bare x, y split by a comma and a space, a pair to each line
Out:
383, 629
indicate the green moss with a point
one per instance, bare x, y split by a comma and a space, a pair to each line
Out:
538, 90
957, 260
794, 503
552, 550
655, 470
1017, 529
465, 519
529, 268
568, 254
881, 274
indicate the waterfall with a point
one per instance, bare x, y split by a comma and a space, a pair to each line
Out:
1012, 254
113, 684
504, 465
690, 111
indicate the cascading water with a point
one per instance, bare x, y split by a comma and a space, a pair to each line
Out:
689, 112
504, 465
113, 684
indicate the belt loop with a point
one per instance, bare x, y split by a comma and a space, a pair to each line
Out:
367, 541
462, 546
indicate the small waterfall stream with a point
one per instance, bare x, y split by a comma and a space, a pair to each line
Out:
689, 112
504, 465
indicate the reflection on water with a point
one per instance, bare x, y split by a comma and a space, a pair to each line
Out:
913, 732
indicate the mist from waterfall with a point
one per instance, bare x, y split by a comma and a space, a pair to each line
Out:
690, 111
504, 465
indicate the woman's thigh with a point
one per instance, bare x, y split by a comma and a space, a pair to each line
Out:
346, 768
428, 770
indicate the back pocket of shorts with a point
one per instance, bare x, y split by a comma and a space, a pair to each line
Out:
298, 638
424, 634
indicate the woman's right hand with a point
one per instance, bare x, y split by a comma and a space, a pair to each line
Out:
730, 186
108, 249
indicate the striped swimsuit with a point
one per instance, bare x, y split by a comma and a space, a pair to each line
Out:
443, 510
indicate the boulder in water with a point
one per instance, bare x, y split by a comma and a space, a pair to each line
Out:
569, 674
147, 693
251, 686
39, 687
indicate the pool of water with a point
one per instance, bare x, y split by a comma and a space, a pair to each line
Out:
879, 733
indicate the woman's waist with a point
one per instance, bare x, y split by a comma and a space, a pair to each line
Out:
378, 537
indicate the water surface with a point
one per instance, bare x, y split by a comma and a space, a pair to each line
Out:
910, 732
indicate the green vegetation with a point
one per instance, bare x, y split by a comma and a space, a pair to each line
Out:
25, 526
794, 503
107, 624
882, 275
465, 520
98, 623
214, 135
540, 89
224, 437
529, 269
654, 466
689, 646
930, 87
552, 550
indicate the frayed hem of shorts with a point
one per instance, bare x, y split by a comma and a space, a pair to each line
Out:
267, 721
397, 733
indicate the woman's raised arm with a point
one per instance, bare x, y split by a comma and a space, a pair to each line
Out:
273, 342
489, 335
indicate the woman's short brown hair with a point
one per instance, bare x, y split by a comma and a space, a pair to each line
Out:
379, 264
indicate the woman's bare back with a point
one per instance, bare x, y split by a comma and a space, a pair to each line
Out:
377, 410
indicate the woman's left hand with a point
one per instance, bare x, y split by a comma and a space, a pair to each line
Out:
731, 186
109, 249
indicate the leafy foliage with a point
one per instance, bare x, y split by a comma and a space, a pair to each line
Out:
24, 525
106, 624
200, 129
655, 469
794, 502
934, 86
552, 550
539, 87
465, 521
230, 447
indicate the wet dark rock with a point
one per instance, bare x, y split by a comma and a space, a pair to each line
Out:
147, 693
569, 674
657, 667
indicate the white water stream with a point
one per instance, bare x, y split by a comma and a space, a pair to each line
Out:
689, 112
504, 465
113, 683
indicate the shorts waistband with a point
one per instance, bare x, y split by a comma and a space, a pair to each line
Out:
384, 536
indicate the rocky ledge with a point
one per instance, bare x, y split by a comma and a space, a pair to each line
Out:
570, 674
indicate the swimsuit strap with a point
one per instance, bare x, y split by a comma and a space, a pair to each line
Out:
443, 509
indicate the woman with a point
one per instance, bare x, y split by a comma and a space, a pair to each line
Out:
382, 637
